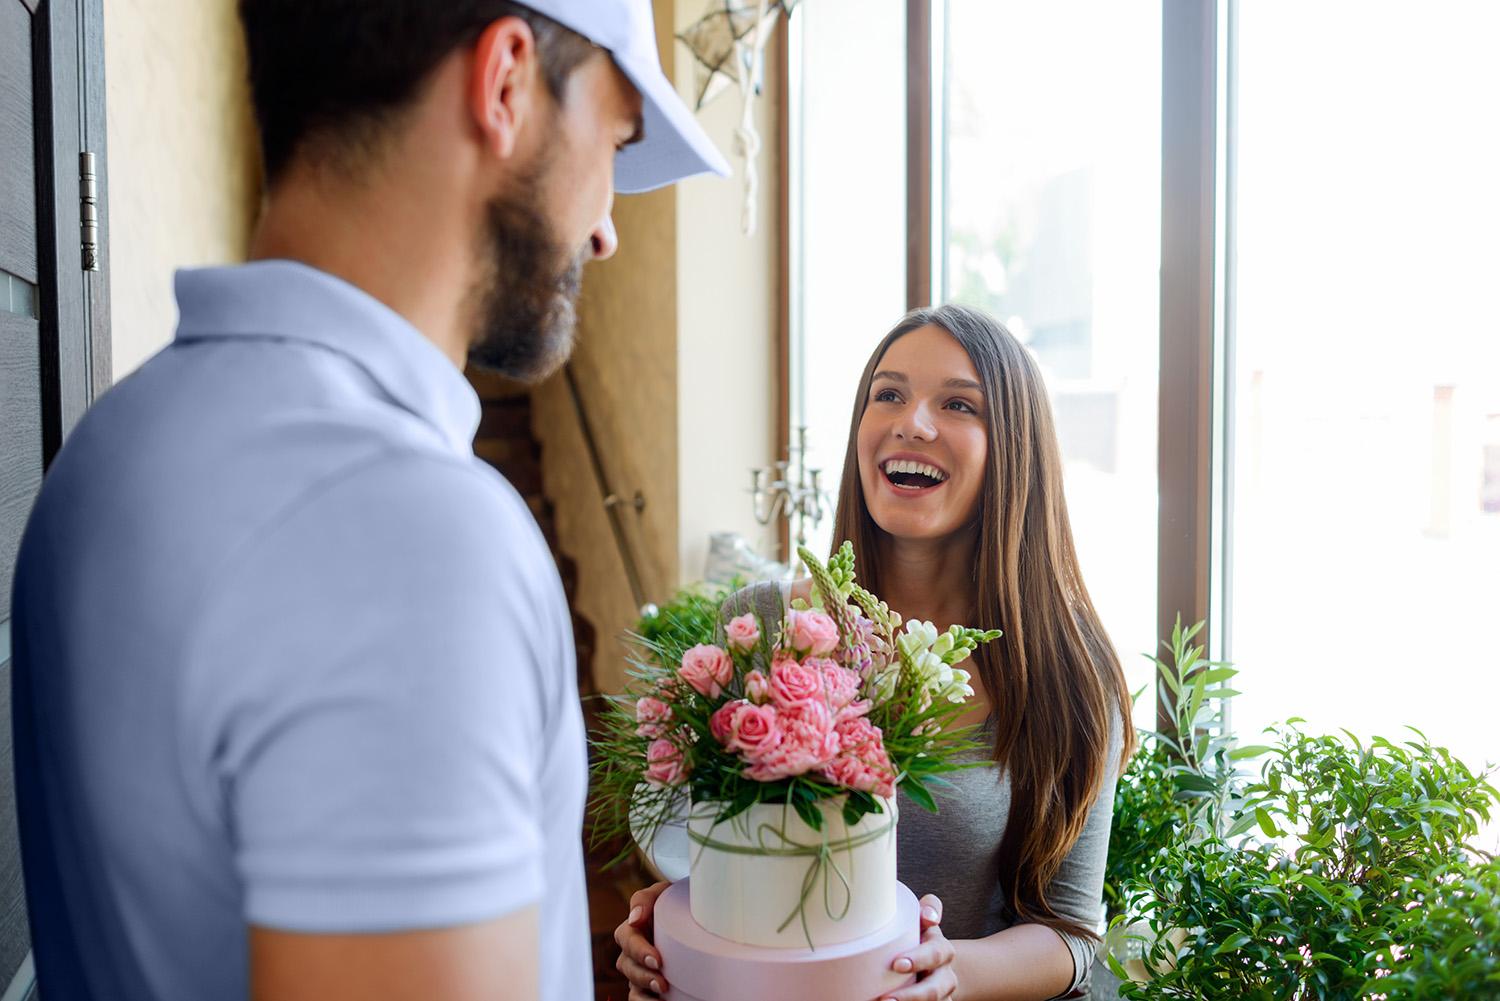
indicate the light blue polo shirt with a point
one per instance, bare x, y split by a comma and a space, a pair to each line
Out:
288, 654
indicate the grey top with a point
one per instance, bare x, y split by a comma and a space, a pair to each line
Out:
953, 853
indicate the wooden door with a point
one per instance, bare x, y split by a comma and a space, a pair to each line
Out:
53, 318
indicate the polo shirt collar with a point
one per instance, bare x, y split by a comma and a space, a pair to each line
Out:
287, 299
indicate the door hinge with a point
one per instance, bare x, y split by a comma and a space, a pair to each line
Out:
88, 211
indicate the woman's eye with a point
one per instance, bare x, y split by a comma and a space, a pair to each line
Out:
963, 406
887, 396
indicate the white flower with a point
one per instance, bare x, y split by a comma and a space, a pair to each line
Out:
930, 668
958, 689
884, 685
918, 638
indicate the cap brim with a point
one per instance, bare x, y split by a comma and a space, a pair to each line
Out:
674, 147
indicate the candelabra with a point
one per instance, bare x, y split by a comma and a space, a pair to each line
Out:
789, 491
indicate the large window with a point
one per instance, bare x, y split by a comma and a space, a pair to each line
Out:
1045, 209
1050, 148
1253, 247
848, 219
1364, 523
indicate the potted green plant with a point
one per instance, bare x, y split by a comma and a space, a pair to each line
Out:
1343, 870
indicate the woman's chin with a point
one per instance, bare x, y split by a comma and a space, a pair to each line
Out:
913, 526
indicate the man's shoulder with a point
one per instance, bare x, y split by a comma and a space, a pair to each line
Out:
440, 499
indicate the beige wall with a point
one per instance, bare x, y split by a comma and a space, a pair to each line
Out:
182, 160
726, 322
676, 362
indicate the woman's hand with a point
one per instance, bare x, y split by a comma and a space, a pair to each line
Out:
932, 961
639, 960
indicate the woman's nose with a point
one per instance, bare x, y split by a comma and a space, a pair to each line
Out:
916, 423
604, 240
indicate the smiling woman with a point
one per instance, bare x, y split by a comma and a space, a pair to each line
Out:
952, 496
952, 502
921, 439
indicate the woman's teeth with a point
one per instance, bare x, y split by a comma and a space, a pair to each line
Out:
911, 475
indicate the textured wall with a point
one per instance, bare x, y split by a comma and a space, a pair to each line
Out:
183, 180
626, 367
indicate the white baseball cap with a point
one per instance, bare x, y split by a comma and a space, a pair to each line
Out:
674, 146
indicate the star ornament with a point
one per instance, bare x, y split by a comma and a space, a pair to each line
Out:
728, 42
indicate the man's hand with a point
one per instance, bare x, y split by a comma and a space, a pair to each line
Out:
478, 962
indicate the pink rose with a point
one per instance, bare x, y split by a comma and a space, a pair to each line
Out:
841, 684
858, 736
757, 688
721, 723
810, 632
855, 710
852, 773
665, 765
862, 762
752, 730
808, 742
743, 632
793, 684
707, 668
783, 762
653, 715
811, 726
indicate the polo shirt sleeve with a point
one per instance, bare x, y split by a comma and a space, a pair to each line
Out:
393, 661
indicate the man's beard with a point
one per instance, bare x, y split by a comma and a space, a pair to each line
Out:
523, 308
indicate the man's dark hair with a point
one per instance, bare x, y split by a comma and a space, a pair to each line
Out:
338, 71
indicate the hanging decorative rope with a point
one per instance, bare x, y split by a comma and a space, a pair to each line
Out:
729, 43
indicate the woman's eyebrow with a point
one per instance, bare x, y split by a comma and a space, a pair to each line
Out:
949, 383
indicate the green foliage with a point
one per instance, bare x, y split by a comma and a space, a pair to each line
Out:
1450, 938
690, 618
1341, 871
1181, 781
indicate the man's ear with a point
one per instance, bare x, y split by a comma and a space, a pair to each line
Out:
503, 83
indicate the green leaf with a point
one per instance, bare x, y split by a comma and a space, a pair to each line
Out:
1233, 943
1267, 825
1241, 826
919, 794
809, 813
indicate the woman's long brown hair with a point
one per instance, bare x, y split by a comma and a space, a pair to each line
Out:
1053, 679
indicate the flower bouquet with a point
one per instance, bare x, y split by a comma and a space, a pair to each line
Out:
784, 743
